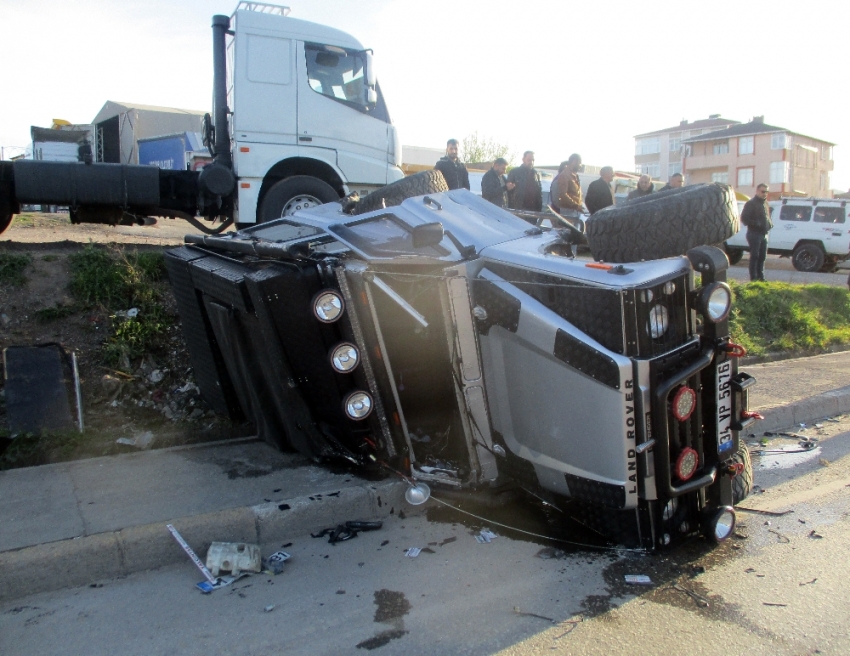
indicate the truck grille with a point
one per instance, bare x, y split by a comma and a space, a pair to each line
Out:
646, 306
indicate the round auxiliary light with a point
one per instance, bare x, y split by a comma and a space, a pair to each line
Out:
659, 321
684, 403
328, 306
715, 301
686, 463
345, 357
358, 405
722, 525
669, 287
646, 296
417, 494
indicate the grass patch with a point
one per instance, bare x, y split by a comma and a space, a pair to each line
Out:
46, 315
50, 257
117, 281
12, 267
770, 317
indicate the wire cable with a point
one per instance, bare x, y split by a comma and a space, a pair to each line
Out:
538, 535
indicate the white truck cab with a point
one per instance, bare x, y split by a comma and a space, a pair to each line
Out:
815, 232
308, 121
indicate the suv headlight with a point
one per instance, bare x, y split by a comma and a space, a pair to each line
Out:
659, 321
715, 301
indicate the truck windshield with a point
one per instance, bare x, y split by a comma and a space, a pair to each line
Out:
341, 74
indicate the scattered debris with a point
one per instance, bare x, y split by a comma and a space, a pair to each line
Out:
269, 608
448, 540
211, 583
156, 376
763, 512
233, 557
346, 531
142, 441
485, 536
412, 552
770, 603
809, 582
428, 550
815, 535
701, 601
275, 562
824, 462
782, 538
524, 614
637, 579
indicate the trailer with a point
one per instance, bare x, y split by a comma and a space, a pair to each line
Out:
330, 136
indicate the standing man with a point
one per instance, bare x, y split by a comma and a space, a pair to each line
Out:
524, 190
493, 184
599, 194
644, 187
569, 186
676, 181
756, 216
453, 170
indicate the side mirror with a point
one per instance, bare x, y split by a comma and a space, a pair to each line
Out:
371, 78
427, 234
371, 97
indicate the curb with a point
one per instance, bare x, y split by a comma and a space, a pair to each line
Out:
81, 561
804, 411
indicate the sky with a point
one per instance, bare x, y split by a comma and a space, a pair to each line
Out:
550, 76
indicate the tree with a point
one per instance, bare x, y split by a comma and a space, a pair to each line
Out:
480, 148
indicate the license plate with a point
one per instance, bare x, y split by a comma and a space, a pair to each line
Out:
724, 406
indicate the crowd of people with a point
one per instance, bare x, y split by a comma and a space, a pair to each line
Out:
521, 189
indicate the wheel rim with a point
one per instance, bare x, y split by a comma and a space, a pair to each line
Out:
299, 202
806, 259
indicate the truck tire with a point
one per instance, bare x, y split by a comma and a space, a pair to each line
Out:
663, 224
292, 194
5, 220
808, 257
395, 193
742, 484
734, 254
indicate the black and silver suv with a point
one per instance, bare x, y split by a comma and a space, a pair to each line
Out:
447, 339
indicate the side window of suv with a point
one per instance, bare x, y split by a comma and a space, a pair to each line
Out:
829, 215
795, 213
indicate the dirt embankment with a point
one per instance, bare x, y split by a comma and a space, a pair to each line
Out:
134, 389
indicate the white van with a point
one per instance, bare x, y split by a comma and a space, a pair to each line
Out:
815, 232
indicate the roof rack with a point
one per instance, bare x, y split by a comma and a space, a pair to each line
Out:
262, 8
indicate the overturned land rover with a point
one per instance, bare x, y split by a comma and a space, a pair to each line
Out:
451, 341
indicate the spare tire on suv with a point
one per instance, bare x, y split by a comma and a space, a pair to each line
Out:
663, 224
395, 193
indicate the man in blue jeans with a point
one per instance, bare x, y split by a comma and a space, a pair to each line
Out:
756, 216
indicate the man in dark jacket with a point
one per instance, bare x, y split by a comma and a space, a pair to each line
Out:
493, 184
644, 187
453, 170
599, 194
676, 181
527, 194
756, 216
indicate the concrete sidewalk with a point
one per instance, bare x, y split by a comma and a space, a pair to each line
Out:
72, 523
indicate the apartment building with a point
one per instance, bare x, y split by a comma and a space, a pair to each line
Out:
659, 153
748, 154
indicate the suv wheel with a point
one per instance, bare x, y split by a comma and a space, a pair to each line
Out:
808, 257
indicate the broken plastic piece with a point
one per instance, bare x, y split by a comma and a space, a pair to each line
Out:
233, 557
207, 575
412, 552
638, 579
276, 561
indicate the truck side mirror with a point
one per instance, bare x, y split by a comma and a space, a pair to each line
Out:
371, 97
371, 78
427, 234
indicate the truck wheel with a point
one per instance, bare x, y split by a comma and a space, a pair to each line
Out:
5, 221
742, 484
292, 194
419, 184
808, 257
734, 254
663, 224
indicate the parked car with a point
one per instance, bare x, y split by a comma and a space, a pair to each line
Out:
815, 232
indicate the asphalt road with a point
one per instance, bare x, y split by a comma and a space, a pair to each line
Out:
778, 587
779, 269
